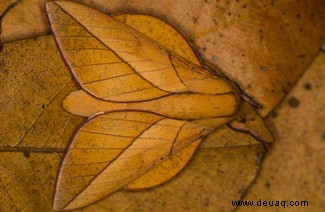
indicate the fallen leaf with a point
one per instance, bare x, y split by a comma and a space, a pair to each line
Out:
166, 198
32, 98
294, 168
46, 128
35, 129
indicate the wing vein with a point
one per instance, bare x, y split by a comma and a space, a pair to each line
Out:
117, 55
108, 78
99, 133
176, 72
95, 176
96, 64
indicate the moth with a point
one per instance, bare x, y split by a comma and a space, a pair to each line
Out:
148, 106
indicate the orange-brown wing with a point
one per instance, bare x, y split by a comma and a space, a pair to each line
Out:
114, 149
115, 62
96, 67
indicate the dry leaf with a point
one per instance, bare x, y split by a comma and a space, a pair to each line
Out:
39, 121
11, 193
294, 168
35, 129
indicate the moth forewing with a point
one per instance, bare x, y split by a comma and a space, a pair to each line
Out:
146, 69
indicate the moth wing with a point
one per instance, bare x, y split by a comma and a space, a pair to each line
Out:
99, 70
115, 62
111, 150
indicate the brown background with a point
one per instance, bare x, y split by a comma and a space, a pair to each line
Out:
293, 168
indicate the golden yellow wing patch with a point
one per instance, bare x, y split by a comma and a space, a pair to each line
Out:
114, 149
96, 67
115, 62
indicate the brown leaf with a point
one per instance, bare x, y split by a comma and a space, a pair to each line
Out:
35, 129
35, 25
32, 98
294, 169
